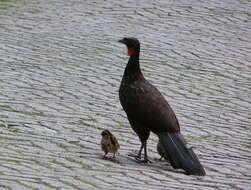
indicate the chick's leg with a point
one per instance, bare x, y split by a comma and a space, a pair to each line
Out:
104, 157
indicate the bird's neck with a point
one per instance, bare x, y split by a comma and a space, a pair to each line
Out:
132, 70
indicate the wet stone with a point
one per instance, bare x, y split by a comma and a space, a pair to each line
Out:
60, 71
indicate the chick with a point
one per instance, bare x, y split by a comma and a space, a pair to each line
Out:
109, 143
161, 152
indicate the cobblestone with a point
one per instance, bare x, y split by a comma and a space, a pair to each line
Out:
60, 70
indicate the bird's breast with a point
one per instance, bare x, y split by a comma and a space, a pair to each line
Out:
131, 96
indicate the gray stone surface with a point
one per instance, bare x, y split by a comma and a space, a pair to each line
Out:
60, 70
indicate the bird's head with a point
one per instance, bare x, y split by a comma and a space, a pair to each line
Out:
132, 44
105, 133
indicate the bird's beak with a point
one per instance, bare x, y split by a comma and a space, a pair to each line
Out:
122, 41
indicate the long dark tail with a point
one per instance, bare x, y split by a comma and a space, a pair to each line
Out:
179, 154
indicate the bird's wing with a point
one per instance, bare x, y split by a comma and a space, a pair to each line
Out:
114, 141
152, 109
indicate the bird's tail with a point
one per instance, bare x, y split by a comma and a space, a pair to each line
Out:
180, 155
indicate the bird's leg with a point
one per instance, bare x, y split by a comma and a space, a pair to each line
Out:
140, 151
137, 156
145, 154
104, 157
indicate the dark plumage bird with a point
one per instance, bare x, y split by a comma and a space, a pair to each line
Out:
109, 143
147, 110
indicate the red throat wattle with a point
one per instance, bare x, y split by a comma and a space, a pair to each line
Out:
130, 51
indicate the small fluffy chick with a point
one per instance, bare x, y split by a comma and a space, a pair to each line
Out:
109, 143
161, 151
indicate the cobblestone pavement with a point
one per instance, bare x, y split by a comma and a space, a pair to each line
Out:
60, 70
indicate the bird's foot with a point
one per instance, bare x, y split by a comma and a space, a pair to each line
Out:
104, 157
136, 156
145, 160
109, 157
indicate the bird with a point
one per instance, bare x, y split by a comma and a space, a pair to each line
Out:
161, 152
148, 111
109, 143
